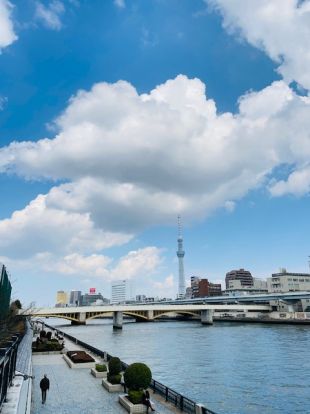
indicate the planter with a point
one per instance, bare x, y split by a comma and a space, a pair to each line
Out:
98, 374
78, 365
130, 407
112, 387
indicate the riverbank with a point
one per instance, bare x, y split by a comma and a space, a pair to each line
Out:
77, 383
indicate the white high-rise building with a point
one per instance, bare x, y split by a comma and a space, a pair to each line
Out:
122, 291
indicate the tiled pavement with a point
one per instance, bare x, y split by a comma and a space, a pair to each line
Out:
74, 391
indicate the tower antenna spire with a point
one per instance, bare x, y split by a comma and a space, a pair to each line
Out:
179, 227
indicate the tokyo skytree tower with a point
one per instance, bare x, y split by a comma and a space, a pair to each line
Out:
180, 254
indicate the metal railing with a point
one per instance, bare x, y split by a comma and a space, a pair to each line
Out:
8, 354
183, 403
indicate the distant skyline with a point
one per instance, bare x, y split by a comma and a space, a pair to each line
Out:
117, 116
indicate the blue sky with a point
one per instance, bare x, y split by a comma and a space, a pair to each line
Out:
116, 116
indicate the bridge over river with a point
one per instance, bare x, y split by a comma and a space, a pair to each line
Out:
143, 312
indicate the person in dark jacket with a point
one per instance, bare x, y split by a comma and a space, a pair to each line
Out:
44, 385
146, 401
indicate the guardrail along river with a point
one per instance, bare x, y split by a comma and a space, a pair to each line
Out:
232, 368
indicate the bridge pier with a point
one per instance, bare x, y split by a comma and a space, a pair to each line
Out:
207, 316
81, 319
118, 320
150, 315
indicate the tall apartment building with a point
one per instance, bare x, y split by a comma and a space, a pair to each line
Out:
195, 286
245, 277
61, 298
122, 291
75, 297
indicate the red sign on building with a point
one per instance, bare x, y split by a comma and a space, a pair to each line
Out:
92, 291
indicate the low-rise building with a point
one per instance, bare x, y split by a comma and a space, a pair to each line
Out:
235, 287
201, 288
288, 282
93, 299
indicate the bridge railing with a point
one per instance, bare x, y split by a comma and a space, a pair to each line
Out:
180, 401
8, 355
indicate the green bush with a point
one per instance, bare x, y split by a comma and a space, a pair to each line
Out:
135, 397
101, 367
114, 379
115, 366
137, 376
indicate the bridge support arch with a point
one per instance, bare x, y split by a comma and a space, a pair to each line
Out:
207, 316
118, 320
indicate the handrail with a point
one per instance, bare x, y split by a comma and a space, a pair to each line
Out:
180, 401
8, 355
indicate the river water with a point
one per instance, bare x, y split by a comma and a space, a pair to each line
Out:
232, 368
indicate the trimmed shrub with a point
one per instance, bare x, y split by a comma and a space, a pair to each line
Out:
135, 397
101, 367
115, 366
114, 379
137, 376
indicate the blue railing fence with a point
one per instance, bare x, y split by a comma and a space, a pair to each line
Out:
8, 355
180, 401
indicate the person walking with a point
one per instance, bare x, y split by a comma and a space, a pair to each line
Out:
44, 385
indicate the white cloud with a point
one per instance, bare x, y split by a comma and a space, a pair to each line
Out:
279, 27
3, 102
7, 34
50, 15
38, 228
297, 183
132, 160
120, 4
166, 284
137, 264
230, 206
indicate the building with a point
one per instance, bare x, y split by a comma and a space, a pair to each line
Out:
206, 288
195, 286
235, 288
245, 277
122, 291
93, 299
140, 298
288, 282
5, 291
61, 298
188, 293
75, 298
201, 288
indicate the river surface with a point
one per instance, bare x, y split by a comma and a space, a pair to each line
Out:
232, 368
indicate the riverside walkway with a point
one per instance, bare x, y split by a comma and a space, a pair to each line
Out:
75, 391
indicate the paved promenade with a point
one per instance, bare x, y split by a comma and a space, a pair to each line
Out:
75, 391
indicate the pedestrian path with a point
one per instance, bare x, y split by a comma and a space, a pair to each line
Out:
74, 391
